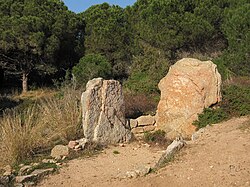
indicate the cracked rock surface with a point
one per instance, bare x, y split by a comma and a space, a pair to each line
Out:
103, 112
190, 86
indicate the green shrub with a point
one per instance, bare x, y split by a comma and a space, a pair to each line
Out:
157, 137
210, 116
147, 70
154, 136
91, 66
235, 103
236, 100
116, 152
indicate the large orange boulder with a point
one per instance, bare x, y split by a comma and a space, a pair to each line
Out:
190, 86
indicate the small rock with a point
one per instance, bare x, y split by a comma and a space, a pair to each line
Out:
122, 145
72, 144
82, 142
146, 120
146, 145
131, 174
59, 164
34, 176
137, 130
42, 172
25, 178
35, 164
149, 128
29, 184
52, 161
197, 134
7, 168
21, 165
59, 151
77, 148
7, 173
143, 170
24, 170
5, 180
18, 185
133, 123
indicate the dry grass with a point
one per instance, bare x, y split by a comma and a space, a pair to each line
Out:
62, 116
36, 94
20, 135
50, 121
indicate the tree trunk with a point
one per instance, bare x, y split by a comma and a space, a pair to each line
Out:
25, 82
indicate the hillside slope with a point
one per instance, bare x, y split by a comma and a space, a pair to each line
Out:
220, 157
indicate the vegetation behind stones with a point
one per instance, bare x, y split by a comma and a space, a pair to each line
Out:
235, 103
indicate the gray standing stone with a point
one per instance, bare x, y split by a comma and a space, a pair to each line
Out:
104, 112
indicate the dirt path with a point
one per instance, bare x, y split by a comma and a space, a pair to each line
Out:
220, 157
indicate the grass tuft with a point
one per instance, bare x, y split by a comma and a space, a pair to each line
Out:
33, 130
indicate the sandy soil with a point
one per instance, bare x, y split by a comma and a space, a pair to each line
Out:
220, 157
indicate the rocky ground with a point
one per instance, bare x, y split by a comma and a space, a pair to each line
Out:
220, 156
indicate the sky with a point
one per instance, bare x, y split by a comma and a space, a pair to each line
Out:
81, 5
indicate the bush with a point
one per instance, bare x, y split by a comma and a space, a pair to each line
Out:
139, 104
157, 137
91, 66
210, 116
147, 70
235, 103
236, 100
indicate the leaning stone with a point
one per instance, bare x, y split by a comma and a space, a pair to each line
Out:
146, 120
175, 146
59, 151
